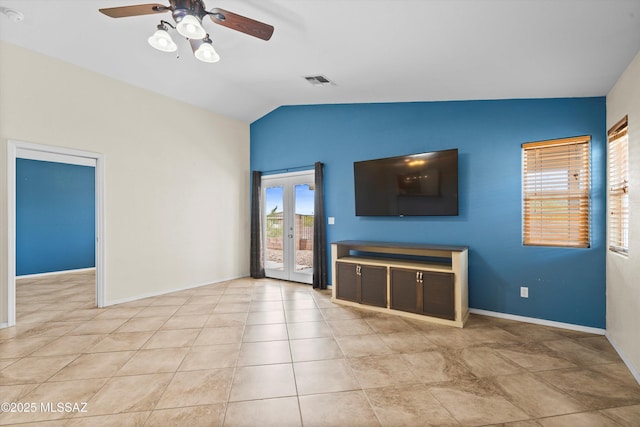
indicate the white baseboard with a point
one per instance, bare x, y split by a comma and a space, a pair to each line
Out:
53, 273
626, 361
570, 326
164, 292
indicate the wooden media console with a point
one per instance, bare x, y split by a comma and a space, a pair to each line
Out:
420, 281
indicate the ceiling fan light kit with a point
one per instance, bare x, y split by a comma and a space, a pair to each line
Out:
190, 26
188, 16
206, 53
162, 41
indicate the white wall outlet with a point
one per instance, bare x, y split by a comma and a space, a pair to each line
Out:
524, 292
331, 220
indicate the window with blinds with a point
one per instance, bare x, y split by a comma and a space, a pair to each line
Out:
556, 183
618, 170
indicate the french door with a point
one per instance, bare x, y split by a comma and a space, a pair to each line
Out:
287, 201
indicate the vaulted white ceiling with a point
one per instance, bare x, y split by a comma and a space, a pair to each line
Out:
374, 50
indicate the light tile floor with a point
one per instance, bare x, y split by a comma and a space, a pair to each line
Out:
271, 353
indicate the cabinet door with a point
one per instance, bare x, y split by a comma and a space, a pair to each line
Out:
347, 279
404, 290
373, 280
438, 295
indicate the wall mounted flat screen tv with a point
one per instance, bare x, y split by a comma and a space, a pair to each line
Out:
424, 184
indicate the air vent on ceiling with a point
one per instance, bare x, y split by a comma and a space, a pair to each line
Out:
319, 81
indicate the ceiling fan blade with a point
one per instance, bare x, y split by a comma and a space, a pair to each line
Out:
195, 44
241, 23
138, 9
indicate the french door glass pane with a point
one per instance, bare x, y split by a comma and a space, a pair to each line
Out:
304, 228
274, 214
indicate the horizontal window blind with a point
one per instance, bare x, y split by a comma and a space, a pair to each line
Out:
618, 170
556, 192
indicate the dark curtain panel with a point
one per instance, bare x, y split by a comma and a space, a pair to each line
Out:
256, 261
319, 232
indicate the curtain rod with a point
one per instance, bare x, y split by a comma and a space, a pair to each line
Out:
285, 170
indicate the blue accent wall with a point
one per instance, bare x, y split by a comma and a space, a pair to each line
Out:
565, 285
55, 217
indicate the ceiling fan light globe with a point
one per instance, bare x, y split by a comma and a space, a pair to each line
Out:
191, 28
162, 41
206, 53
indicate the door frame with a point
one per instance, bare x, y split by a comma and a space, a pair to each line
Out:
16, 149
289, 176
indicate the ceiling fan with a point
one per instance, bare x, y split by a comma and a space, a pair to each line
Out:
188, 16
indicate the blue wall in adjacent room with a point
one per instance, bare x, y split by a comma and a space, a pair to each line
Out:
565, 285
55, 217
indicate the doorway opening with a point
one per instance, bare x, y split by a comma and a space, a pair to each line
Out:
288, 216
23, 150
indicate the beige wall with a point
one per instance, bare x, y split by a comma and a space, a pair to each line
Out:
623, 285
176, 176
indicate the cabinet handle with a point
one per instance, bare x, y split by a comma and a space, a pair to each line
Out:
358, 270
